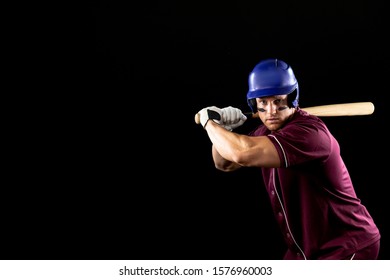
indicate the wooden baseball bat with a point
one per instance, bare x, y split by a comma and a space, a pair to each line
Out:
332, 110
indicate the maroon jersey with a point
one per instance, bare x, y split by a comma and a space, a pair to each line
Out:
312, 194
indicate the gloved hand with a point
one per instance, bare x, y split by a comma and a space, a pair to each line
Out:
232, 117
212, 112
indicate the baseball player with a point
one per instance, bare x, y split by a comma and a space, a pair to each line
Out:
309, 187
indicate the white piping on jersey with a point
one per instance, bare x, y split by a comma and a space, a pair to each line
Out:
280, 201
285, 215
353, 256
281, 147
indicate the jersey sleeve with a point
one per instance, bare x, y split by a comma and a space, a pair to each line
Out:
302, 141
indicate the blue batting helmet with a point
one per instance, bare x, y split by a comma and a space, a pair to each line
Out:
272, 77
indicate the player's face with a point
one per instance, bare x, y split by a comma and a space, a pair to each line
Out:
274, 111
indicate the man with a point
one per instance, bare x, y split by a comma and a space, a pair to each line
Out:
309, 187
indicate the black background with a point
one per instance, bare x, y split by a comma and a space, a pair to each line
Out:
123, 170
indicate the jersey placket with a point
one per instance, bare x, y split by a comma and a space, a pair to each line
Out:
281, 217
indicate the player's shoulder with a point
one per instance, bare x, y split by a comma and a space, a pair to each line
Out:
304, 119
302, 115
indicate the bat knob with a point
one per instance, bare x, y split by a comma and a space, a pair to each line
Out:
197, 118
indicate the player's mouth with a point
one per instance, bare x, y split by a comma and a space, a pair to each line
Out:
273, 121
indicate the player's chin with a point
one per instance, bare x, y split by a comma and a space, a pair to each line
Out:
273, 126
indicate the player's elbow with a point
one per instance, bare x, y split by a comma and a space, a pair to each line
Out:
240, 158
227, 166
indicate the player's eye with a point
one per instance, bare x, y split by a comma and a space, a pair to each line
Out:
277, 101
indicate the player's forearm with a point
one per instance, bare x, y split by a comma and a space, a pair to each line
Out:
223, 164
226, 143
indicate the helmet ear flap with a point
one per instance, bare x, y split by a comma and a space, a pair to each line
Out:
293, 98
252, 104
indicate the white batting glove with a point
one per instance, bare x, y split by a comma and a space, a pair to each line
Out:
232, 117
210, 113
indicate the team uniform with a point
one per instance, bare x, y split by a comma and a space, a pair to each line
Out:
312, 195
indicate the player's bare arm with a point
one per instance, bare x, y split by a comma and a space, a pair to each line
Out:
242, 150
